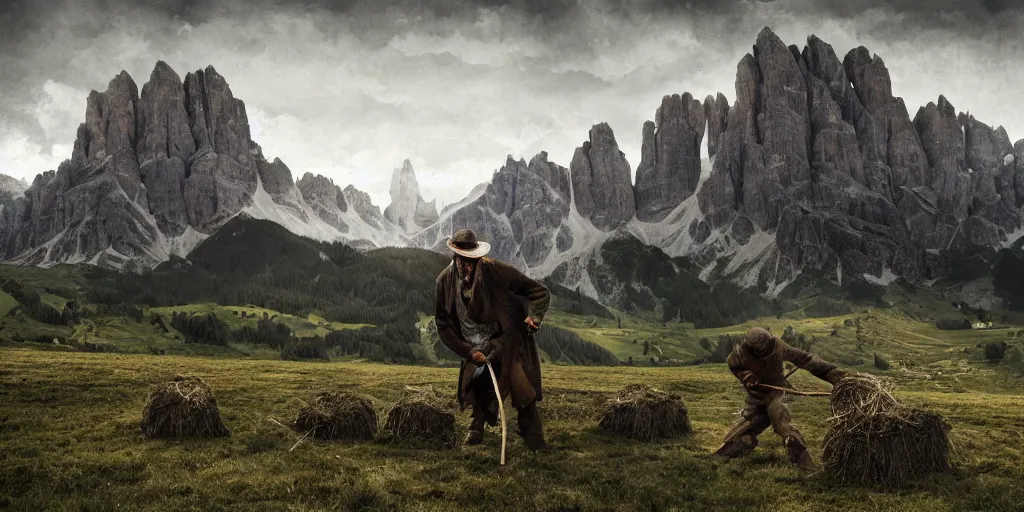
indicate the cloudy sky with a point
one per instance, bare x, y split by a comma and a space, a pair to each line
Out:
349, 89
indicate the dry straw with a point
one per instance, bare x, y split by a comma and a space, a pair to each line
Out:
338, 416
423, 416
640, 412
182, 408
874, 440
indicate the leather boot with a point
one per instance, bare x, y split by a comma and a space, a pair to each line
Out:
476, 432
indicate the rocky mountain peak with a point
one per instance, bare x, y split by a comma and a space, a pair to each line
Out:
363, 206
670, 156
408, 210
601, 183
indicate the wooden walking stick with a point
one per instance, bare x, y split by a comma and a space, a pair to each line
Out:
501, 409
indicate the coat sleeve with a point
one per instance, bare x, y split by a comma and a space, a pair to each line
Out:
443, 321
805, 360
736, 367
492, 349
523, 286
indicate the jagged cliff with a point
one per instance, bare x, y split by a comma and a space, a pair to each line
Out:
152, 174
815, 168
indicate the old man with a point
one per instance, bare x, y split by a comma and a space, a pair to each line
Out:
486, 312
758, 361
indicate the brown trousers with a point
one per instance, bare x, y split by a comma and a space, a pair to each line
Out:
485, 411
764, 413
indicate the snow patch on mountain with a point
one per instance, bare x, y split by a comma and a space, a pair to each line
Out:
672, 234
264, 207
885, 279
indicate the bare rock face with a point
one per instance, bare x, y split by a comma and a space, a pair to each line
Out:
325, 199
989, 155
556, 176
408, 210
670, 168
521, 212
782, 118
164, 147
826, 73
95, 202
601, 182
800, 158
222, 172
360, 202
1018, 180
276, 179
896, 138
716, 111
144, 170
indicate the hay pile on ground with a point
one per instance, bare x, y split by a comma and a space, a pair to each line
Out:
338, 416
422, 416
182, 408
639, 412
874, 440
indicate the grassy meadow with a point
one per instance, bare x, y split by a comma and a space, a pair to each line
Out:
70, 440
70, 412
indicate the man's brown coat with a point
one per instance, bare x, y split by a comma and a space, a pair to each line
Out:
502, 294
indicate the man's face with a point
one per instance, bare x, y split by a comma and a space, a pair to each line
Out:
465, 267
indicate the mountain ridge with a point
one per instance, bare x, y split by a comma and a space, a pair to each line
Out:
815, 168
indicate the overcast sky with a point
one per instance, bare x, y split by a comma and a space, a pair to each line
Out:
350, 89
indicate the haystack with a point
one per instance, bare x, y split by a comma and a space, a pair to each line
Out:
422, 416
875, 440
640, 412
182, 408
338, 416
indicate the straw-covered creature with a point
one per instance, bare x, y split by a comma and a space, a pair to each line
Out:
182, 408
640, 412
338, 416
874, 440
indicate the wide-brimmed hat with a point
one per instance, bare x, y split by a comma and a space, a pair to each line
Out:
759, 342
464, 243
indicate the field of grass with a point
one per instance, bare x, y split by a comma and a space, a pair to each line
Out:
7, 303
313, 325
70, 439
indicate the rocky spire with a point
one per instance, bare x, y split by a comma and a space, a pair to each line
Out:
670, 163
601, 182
408, 210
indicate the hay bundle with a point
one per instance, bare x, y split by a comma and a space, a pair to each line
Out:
423, 417
338, 416
874, 440
182, 408
640, 412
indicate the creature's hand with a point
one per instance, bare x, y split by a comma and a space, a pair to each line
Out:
479, 358
750, 381
532, 323
833, 377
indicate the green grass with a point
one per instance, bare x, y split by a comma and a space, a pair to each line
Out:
7, 303
56, 301
59, 276
70, 439
313, 325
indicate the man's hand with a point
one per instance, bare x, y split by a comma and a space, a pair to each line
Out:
479, 358
532, 323
750, 381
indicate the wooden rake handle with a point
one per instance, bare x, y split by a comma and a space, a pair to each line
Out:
795, 391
